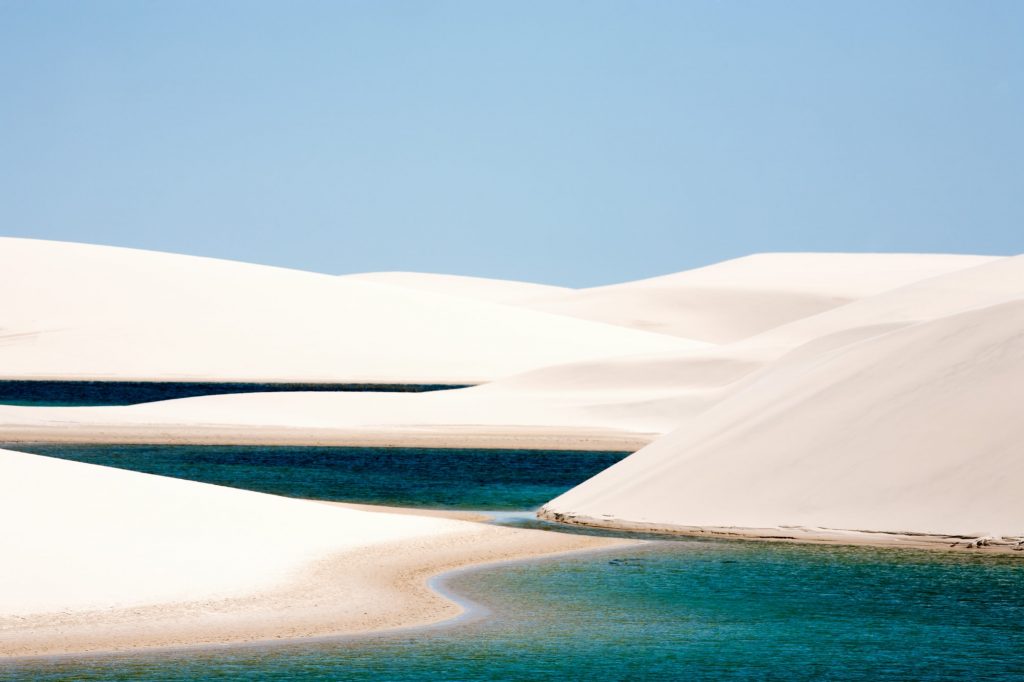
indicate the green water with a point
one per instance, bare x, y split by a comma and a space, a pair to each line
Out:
683, 610
415, 477
672, 609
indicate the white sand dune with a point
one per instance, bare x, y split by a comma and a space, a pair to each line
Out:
480, 288
98, 558
735, 299
910, 431
615, 403
791, 389
620, 402
75, 311
858, 398
987, 283
92, 537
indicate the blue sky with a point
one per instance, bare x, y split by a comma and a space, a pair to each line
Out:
575, 143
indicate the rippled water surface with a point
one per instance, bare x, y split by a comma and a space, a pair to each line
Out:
669, 610
678, 610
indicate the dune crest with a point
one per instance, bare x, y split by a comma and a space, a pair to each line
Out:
738, 298
463, 286
77, 311
859, 392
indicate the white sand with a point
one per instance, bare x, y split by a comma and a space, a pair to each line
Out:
91, 537
480, 288
96, 312
738, 298
853, 398
781, 408
99, 558
615, 402
902, 428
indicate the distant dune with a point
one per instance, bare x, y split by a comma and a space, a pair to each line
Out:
900, 417
732, 300
75, 311
480, 288
866, 398
843, 393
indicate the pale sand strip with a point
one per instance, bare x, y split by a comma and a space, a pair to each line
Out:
802, 534
476, 437
455, 514
352, 592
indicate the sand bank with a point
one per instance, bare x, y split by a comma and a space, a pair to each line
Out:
74, 430
974, 543
106, 559
847, 391
346, 593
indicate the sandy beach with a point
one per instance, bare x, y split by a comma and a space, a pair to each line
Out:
348, 593
144, 561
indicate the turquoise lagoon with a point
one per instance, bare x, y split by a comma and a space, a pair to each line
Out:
682, 609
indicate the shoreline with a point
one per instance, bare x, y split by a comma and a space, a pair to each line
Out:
452, 437
350, 593
802, 535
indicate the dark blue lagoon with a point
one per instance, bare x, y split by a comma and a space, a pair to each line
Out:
672, 610
416, 477
83, 393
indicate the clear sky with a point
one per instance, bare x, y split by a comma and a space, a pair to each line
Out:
574, 143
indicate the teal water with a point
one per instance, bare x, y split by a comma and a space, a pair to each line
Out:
679, 610
413, 477
672, 609
82, 393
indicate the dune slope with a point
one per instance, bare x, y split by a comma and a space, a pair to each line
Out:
738, 298
619, 402
480, 288
96, 537
99, 558
75, 311
911, 431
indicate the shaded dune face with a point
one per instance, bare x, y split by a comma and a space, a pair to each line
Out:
912, 430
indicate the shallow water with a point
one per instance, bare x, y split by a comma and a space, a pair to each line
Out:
95, 393
670, 610
415, 477
673, 609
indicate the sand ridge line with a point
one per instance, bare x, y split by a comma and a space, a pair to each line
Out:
801, 534
380, 588
481, 438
